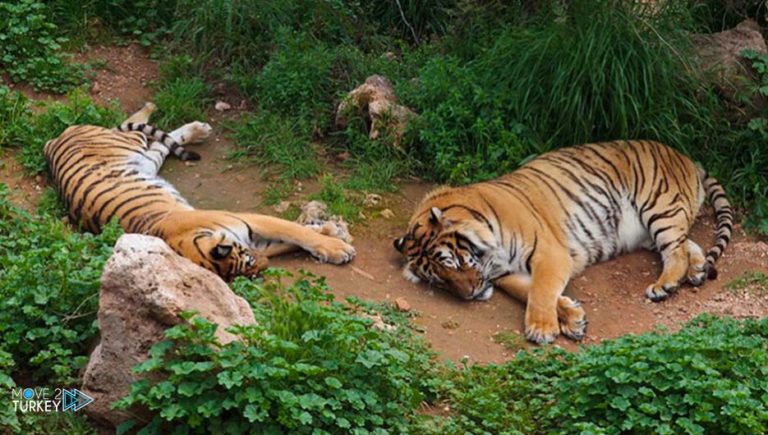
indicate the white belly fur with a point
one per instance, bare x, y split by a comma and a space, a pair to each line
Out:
632, 233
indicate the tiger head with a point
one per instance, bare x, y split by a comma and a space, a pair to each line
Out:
446, 253
220, 254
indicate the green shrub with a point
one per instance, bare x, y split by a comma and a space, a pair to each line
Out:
269, 139
180, 101
600, 70
31, 50
308, 365
710, 377
49, 281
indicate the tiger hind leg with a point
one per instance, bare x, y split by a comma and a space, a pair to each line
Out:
674, 253
142, 116
188, 133
697, 264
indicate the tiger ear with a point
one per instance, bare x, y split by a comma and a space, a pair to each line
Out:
435, 215
220, 252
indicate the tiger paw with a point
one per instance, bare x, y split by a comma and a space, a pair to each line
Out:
658, 293
541, 332
572, 318
334, 251
697, 275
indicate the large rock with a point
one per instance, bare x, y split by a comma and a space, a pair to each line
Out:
376, 100
144, 287
720, 54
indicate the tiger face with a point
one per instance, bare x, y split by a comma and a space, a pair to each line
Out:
444, 257
220, 254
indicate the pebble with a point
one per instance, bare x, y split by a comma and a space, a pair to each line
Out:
387, 213
221, 106
402, 304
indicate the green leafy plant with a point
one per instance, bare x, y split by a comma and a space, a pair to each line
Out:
752, 280
49, 281
14, 117
31, 50
308, 365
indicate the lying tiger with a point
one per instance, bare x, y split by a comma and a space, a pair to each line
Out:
103, 174
530, 231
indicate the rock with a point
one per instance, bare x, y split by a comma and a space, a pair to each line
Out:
222, 106
720, 53
144, 287
282, 207
402, 304
387, 213
314, 214
376, 100
371, 200
95, 88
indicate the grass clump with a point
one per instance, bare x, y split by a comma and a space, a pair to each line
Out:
180, 101
752, 279
269, 139
308, 365
49, 281
335, 196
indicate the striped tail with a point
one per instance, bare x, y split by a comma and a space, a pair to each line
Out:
160, 136
724, 215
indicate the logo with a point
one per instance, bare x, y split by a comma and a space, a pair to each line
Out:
43, 399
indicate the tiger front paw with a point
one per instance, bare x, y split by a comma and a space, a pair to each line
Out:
542, 331
334, 251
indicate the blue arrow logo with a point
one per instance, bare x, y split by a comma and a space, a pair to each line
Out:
75, 400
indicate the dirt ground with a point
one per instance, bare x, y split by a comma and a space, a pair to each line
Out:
611, 292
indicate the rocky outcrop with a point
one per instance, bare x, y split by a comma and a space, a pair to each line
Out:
376, 100
720, 54
144, 287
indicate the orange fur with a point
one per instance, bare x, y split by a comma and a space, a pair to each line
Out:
530, 231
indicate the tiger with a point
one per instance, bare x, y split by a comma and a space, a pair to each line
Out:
103, 174
530, 231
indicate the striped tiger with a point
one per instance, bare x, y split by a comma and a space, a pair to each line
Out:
103, 174
530, 231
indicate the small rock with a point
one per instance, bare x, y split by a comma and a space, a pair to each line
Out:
95, 88
387, 213
450, 324
362, 216
188, 163
402, 304
39, 179
222, 106
282, 207
240, 178
242, 105
371, 200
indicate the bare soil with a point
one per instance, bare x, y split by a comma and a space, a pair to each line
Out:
611, 292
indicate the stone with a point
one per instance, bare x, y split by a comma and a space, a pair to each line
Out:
720, 54
387, 213
144, 287
282, 206
222, 106
376, 100
371, 200
402, 304
315, 215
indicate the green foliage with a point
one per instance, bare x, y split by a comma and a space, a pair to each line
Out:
308, 365
296, 81
180, 101
272, 139
14, 116
597, 70
411, 19
30, 50
51, 204
49, 281
708, 378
